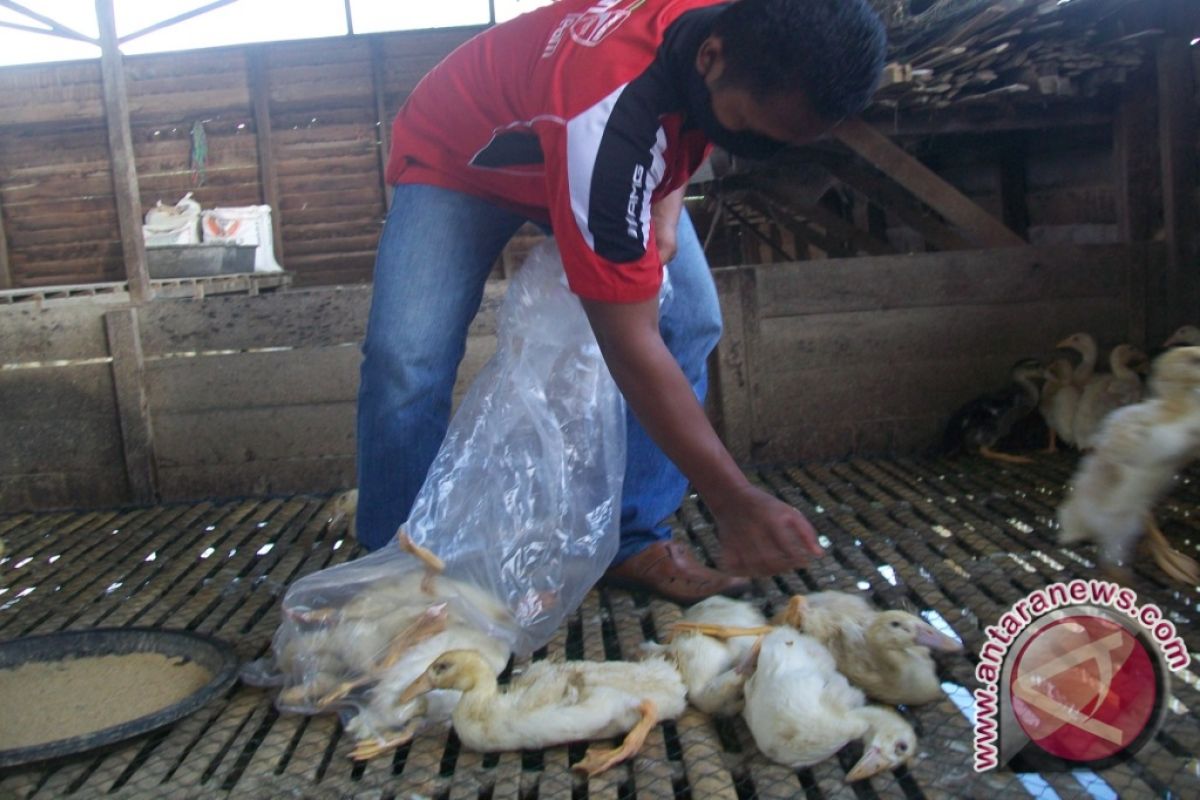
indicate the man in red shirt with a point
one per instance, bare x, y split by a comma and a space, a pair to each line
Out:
588, 117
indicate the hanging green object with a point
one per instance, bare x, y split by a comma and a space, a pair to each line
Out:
199, 154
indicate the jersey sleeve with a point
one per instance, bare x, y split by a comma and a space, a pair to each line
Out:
602, 168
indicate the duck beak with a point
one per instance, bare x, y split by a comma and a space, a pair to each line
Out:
420, 686
931, 637
871, 764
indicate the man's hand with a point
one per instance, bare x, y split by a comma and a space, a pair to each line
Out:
761, 535
665, 216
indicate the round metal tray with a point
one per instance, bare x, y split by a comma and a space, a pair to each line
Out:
212, 654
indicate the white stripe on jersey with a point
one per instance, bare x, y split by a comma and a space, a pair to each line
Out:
584, 133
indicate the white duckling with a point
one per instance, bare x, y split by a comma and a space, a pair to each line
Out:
1138, 451
1103, 394
384, 722
1085, 345
325, 653
884, 653
1060, 398
555, 703
1185, 335
801, 710
713, 666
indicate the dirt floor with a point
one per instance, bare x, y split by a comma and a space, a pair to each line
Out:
958, 541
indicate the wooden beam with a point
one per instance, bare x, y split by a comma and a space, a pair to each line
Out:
120, 148
125, 346
261, 97
836, 228
56, 28
1013, 185
927, 185
175, 20
914, 124
383, 117
1177, 144
888, 196
6, 278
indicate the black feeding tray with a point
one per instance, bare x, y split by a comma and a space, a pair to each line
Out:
212, 654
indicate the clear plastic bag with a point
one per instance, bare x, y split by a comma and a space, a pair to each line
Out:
522, 504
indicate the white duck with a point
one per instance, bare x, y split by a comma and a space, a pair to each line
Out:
555, 703
1085, 345
1185, 335
1103, 394
1138, 452
884, 653
1060, 398
713, 666
384, 723
801, 710
326, 653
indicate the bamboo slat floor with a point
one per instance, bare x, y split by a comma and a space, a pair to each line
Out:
959, 541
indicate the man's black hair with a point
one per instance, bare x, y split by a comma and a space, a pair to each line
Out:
832, 50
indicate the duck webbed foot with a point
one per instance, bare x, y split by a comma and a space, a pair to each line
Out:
718, 631
749, 662
434, 566
1007, 458
373, 748
598, 760
1177, 566
430, 623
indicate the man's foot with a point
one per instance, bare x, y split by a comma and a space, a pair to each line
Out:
670, 570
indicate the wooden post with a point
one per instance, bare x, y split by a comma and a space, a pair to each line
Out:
927, 185
261, 98
1177, 144
120, 148
6, 278
1135, 160
383, 117
731, 361
1013, 186
125, 346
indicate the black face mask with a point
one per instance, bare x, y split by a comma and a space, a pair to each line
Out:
737, 143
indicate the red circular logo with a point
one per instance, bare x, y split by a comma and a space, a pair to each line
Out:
1083, 688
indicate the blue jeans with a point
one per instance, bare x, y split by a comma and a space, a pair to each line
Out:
436, 252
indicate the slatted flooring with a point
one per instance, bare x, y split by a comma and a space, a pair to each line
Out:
958, 540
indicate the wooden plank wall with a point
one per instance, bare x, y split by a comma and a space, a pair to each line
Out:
871, 355
256, 395
56, 184
820, 359
60, 437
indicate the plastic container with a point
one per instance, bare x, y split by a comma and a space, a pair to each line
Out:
199, 260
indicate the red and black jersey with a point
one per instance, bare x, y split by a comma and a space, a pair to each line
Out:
572, 114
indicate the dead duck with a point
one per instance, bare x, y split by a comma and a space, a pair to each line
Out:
884, 653
556, 703
801, 710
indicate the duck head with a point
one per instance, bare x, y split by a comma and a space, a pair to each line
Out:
455, 669
1176, 372
889, 742
1186, 335
899, 630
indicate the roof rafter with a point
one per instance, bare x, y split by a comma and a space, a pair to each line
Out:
53, 27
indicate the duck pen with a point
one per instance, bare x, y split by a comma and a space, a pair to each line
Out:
172, 450
957, 541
